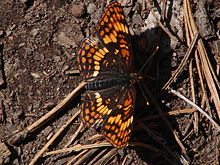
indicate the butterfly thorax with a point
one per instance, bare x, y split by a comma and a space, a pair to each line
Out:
108, 80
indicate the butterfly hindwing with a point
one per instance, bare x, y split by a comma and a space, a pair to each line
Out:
111, 111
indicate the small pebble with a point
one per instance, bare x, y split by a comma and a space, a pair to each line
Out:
77, 10
91, 8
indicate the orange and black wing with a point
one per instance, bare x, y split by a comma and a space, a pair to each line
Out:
95, 58
110, 111
114, 33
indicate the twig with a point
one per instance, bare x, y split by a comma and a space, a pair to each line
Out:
150, 96
74, 135
33, 161
79, 147
183, 62
174, 112
159, 22
197, 107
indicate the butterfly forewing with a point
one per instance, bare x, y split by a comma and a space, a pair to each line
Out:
114, 33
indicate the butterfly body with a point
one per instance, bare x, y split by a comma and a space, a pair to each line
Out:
106, 63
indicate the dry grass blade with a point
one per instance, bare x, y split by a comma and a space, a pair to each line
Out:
74, 135
160, 24
79, 147
23, 134
166, 121
182, 64
174, 112
33, 161
107, 157
85, 157
207, 69
197, 107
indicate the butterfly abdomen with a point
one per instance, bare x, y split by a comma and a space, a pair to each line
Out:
121, 79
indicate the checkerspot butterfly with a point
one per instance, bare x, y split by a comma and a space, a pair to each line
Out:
106, 63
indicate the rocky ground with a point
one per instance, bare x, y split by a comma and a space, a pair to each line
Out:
39, 41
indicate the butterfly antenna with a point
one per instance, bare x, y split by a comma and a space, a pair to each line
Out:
142, 92
148, 60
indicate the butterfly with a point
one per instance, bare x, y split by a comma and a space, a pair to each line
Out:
106, 64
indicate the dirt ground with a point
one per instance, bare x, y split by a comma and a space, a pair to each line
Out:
39, 41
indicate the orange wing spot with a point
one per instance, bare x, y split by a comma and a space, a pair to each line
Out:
99, 100
119, 106
117, 118
89, 61
102, 32
107, 111
116, 27
116, 141
96, 67
122, 126
118, 16
111, 120
123, 27
102, 51
116, 130
97, 95
89, 54
109, 134
87, 47
97, 58
116, 51
112, 36
107, 39
113, 137
110, 25
91, 120
102, 23
99, 54
95, 73
87, 111
111, 10
93, 113
105, 19
123, 41
107, 30
92, 50
111, 19
96, 116
104, 109
127, 102
114, 32
92, 108
114, 17
125, 53
83, 60
83, 52
116, 9
100, 107
107, 127
126, 29
119, 26
87, 117
108, 13
96, 62
113, 128
127, 108
105, 49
